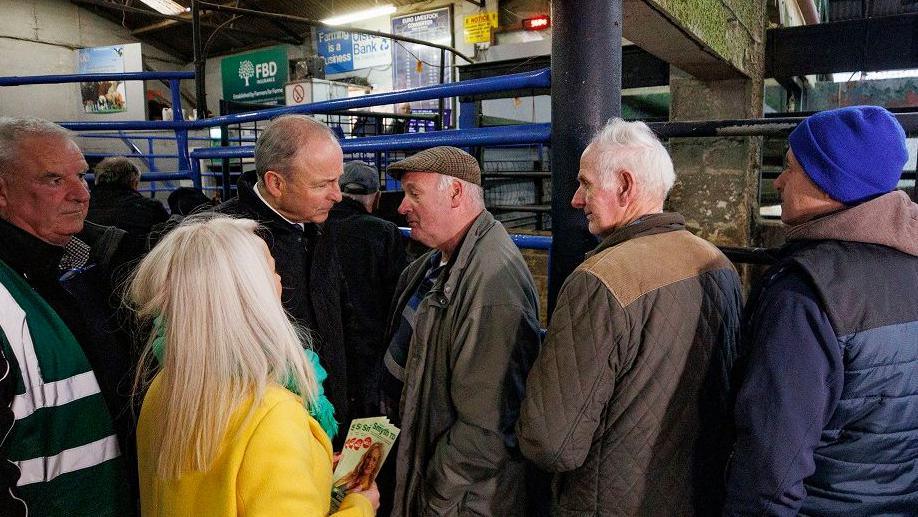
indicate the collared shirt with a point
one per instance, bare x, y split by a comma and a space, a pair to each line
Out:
257, 189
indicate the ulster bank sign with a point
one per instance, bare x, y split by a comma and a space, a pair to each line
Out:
257, 77
344, 51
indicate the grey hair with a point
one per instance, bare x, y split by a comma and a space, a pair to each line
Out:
278, 146
116, 170
14, 130
476, 193
634, 147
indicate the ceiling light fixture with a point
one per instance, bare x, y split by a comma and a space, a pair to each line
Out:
357, 16
165, 6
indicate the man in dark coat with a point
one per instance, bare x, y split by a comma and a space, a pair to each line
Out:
827, 415
372, 254
116, 202
294, 186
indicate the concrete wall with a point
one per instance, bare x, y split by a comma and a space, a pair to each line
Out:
40, 37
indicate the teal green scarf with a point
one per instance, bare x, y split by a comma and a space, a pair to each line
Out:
323, 410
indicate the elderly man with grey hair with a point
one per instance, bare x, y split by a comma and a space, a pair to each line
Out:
116, 202
463, 334
628, 401
294, 186
66, 434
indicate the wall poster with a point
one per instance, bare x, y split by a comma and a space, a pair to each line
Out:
103, 96
416, 65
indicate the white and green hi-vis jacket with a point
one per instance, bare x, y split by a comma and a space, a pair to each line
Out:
62, 439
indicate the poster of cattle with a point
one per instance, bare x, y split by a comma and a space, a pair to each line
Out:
102, 96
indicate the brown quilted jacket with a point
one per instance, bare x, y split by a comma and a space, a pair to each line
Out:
629, 399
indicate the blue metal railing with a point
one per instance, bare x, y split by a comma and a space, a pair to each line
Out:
189, 165
534, 79
527, 133
19, 80
178, 124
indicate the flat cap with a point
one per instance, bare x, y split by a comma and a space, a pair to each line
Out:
359, 178
446, 160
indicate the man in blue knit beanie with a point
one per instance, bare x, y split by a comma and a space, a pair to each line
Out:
827, 413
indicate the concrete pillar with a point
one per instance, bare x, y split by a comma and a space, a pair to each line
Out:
717, 178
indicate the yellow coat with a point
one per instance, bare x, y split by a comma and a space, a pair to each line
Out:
278, 465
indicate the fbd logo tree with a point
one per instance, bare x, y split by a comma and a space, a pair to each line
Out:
246, 71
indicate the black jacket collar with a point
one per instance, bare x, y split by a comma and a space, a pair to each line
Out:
263, 213
348, 206
27, 254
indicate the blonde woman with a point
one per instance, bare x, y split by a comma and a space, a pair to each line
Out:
219, 434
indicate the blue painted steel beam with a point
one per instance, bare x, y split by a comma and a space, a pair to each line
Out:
18, 80
534, 79
531, 242
156, 176
503, 135
130, 155
148, 137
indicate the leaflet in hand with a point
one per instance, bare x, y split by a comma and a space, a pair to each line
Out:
365, 449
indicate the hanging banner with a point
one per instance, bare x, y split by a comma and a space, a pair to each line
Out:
256, 77
104, 96
477, 27
346, 52
416, 65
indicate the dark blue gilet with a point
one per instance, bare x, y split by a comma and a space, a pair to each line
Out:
867, 458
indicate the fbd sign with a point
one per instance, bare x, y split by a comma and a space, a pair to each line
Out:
255, 76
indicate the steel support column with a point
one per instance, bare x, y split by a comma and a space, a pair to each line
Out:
586, 80
199, 60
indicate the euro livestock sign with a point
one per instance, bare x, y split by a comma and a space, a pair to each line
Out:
345, 52
257, 77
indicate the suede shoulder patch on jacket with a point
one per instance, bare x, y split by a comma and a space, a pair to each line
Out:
638, 266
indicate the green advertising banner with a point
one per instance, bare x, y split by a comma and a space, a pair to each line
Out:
255, 76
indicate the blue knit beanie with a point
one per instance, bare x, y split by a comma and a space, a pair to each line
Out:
853, 154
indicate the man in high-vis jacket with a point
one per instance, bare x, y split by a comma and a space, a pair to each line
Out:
64, 425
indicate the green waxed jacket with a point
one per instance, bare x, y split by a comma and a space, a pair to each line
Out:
475, 338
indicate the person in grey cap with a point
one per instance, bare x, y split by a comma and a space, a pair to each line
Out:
462, 337
371, 252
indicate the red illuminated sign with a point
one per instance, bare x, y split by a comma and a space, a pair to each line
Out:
538, 23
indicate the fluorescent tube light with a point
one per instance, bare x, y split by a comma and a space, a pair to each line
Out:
357, 16
165, 6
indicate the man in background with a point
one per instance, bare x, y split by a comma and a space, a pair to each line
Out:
372, 256
116, 202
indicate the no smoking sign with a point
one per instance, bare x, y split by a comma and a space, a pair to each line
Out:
298, 93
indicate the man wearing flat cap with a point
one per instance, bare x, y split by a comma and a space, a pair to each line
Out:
827, 414
371, 252
462, 337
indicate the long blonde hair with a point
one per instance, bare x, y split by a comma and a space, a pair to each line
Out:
227, 336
